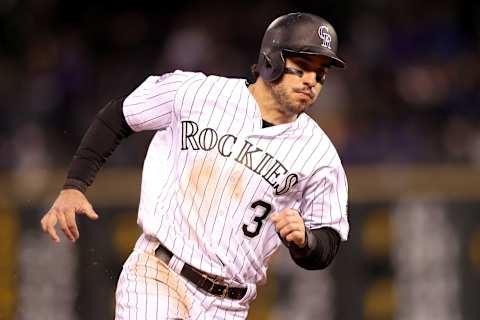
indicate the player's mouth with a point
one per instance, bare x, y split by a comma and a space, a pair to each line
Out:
306, 94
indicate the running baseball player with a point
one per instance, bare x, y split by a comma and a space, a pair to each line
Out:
234, 170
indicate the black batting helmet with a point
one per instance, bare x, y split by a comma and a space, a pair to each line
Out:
296, 33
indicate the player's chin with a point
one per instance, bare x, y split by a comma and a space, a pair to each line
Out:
302, 106
297, 110
298, 104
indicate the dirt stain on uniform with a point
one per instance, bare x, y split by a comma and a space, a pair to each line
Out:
197, 188
161, 281
207, 185
235, 185
201, 189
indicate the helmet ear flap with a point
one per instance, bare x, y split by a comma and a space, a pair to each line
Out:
268, 61
271, 65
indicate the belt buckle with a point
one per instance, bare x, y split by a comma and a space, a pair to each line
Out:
205, 279
224, 293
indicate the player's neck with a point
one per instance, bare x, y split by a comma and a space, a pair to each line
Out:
270, 109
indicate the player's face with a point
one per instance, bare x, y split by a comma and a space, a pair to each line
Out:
301, 82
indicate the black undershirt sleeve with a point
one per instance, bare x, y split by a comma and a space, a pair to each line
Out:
322, 246
98, 143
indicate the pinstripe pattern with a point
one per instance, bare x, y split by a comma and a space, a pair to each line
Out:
208, 162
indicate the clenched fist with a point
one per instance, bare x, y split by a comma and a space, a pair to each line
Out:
289, 224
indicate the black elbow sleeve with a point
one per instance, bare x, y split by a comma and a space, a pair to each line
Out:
102, 137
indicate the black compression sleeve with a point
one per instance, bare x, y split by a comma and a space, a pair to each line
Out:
322, 246
98, 143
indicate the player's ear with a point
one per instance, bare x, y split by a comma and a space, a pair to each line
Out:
254, 71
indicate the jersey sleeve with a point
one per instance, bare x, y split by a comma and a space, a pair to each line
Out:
151, 105
325, 200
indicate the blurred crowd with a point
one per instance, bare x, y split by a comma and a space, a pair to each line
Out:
410, 93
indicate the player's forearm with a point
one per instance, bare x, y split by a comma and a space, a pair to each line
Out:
321, 249
98, 143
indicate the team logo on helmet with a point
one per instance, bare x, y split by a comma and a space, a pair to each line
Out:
325, 36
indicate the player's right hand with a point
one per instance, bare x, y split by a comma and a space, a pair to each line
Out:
68, 203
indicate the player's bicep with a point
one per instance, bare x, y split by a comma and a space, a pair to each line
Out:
151, 105
325, 201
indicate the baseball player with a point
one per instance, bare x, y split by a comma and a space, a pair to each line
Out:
234, 170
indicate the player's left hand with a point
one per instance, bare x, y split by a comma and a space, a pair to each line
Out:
289, 224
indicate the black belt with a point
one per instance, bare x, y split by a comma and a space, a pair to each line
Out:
203, 280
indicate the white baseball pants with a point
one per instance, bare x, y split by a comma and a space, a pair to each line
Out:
149, 289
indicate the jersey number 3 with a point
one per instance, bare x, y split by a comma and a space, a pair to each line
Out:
258, 219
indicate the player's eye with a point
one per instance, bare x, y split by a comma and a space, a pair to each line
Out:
294, 71
320, 75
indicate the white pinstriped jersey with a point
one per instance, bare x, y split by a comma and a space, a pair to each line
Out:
214, 175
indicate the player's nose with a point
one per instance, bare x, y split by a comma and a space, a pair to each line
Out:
310, 78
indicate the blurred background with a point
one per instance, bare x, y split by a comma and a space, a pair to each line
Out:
404, 116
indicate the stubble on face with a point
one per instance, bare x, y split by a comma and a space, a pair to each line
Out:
285, 96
